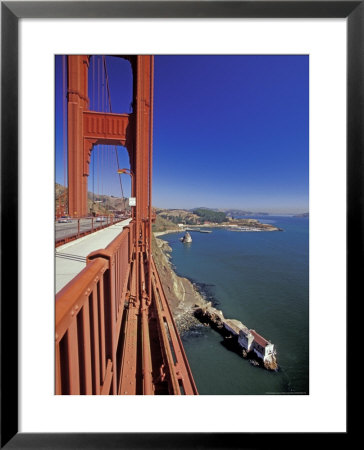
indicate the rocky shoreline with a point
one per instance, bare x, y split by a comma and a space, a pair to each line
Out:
182, 295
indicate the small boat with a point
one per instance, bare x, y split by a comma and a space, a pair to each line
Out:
205, 231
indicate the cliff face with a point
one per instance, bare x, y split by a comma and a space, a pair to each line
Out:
180, 292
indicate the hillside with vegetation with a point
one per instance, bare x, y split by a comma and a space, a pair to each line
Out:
96, 204
209, 215
163, 224
177, 216
173, 219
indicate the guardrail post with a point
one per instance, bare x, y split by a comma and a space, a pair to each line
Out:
110, 310
115, 280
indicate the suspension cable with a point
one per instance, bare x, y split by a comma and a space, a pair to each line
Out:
64, 103
110, 110
98, 147
93, 152
102, 145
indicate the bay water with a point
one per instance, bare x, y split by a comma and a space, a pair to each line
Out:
261, 279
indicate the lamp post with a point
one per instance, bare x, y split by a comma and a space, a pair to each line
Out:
128, 172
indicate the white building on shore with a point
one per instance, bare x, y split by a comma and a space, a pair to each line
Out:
250, 340
261, 347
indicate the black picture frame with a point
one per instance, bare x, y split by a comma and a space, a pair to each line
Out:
11, 12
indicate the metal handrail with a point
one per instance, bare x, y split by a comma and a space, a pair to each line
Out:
107, 324
79, 307
88, 320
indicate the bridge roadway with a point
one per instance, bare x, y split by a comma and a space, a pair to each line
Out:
64, 230
71, 257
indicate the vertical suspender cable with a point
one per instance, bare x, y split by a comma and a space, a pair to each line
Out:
150, 176
64, 106
98, 109
93, 153
102, 146
110, 109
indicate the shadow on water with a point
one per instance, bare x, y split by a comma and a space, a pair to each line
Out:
194, 332
207, 290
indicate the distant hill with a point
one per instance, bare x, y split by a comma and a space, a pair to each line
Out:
231, 212
59, 190
99, 204
302, 215
200, 215
107, 203
178, 216
210, 215
240, 212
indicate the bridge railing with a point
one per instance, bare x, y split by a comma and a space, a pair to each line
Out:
89, 313
83, 227
180, 373
110, 337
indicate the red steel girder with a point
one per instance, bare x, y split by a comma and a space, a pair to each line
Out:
121, 317
85, 129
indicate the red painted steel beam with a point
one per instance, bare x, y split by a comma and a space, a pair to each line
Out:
85, 129
103, 128
164, 343
181, 368
146, 349
77, 103
128, 382
136, 350
108, 126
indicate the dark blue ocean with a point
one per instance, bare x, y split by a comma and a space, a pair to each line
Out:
261, 279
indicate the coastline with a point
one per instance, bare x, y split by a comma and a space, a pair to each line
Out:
190, 309
252, 226
182, 295
160, 233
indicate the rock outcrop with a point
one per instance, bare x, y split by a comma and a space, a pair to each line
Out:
186, 239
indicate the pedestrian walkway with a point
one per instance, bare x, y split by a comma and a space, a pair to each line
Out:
71, 257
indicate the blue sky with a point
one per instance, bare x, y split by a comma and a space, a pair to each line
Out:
229, 131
